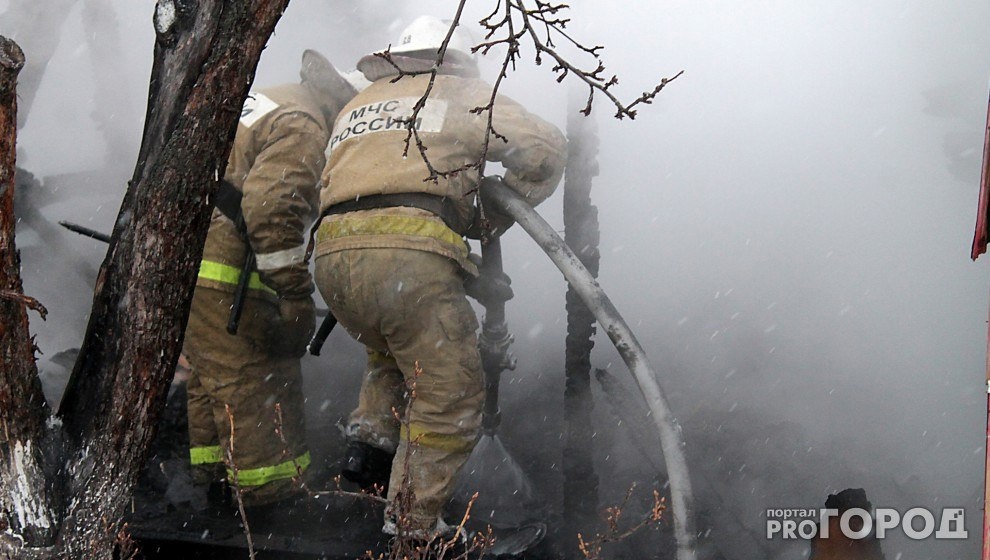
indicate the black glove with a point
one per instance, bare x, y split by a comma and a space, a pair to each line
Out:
296, 326
489, 288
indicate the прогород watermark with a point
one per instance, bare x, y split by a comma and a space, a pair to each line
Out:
857, 523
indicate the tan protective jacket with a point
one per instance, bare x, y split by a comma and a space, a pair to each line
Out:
365, 158
275, 162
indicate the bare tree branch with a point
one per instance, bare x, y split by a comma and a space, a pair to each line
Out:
509, 23
25, 300
594, 79
238, 493
613, 533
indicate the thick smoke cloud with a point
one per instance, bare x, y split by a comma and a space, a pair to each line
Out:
786, 229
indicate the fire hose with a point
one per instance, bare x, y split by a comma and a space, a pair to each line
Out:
629, 348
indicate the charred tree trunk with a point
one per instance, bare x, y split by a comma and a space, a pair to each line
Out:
26, 500
581, 235
205, 57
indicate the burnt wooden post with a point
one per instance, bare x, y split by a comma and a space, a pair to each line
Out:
582, 236
206, 53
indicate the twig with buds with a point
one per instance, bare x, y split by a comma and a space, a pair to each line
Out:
592, 550
229, 459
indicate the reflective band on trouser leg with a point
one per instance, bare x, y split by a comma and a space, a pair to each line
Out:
227, 274
207, 455
263, 475
444, 442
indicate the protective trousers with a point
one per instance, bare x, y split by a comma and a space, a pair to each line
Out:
409, 309
269, 447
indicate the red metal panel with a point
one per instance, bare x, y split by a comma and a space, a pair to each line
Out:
980, 237
986, 488
980, 247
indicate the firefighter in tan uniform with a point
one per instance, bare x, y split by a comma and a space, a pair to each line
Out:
275, 163
391, 259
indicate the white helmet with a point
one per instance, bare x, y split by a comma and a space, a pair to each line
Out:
356, 79
425, 35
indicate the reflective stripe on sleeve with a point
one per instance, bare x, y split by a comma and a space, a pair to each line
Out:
280, 259
206, 455
227, 274
256, 106
263, 475
444, 442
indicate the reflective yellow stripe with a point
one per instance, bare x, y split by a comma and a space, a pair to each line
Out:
389, 225
264, 475
443, 442
205, 455
227, 274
